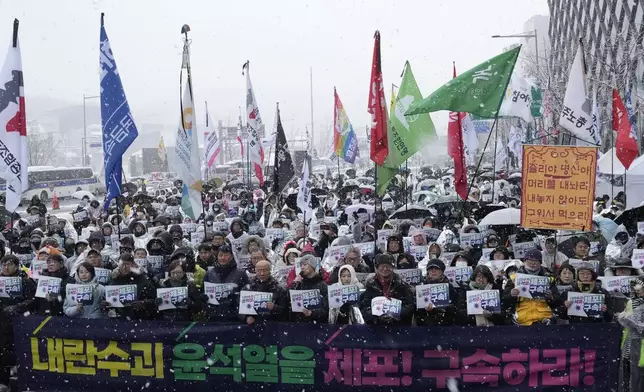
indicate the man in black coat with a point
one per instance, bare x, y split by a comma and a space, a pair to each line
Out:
225, 271
385, 283
310, 279
265, 283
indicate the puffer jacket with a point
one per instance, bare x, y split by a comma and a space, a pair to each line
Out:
11, 307
440, 316
228, 308
320, 315
195, 302
54, 306
399, 290
145, 308
280, 300
597, 289
530, 311
92, 311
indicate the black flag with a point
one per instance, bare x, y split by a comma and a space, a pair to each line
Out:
283, 171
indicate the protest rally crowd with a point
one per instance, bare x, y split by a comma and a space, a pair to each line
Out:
351, 264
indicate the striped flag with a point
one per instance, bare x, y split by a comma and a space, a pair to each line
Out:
212, 145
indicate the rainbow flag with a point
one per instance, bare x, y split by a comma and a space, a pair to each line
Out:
345, 142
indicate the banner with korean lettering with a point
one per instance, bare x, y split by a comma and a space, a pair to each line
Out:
558, 187
65, 354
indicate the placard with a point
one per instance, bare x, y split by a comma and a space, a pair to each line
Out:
532, 286
362, 276
585, 305
102, 275
171, 297
284, 271
188, 227
116, 243
274, 234
366, 248
25, 258
456, 275
155, 264
37, 268
197, 237
222, 227
342, 294
431, 233
48, 285
383, 235
333, 255
218, 291
435, 294
121, 295
10, 287
522, 248
447, 257
418, 251
254, 302
80, 216
485, 254
617, 284
80, 293
479, 301
412, 276
558, 187
470, 240
383, 306
305, 299
637, 259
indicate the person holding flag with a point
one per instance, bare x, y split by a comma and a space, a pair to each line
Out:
119, 129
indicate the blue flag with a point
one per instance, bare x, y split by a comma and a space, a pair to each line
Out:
119, 130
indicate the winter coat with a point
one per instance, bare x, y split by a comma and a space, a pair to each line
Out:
144, 308
447, 316
195, 302
348, 313
597, 289
228, 308
11, 307
399, 290
92, 311
320, 315
280, 300
530, 311
480, 320
335, 274
53, 304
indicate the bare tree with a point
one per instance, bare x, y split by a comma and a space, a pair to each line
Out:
42, 149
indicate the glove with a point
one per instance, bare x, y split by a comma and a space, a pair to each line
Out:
346, 308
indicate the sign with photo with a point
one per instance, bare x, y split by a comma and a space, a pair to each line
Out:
383, 306
585, 305
218, 291
254, 302
171, 297
48, 285
435, 294
341, 294
80, 293
412, 276
481, 300
305, 299
456, 275
121, 295
532, 286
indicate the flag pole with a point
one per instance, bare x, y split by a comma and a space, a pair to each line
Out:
205, 142
496, 142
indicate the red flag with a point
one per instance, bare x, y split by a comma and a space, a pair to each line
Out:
456, 151
626, 143
378, 108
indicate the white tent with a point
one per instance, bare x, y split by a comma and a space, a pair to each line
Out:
609, 163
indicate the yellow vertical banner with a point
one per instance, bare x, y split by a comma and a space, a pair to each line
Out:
558, 187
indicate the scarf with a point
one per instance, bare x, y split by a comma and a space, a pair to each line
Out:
386, 285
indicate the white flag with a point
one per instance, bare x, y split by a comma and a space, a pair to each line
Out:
304, 195
13, 126
212, 146
518, 99
514, 144
596, 141
576, 114
255, 126
470, 140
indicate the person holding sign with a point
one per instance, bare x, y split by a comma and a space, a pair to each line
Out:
310, 279
348, 313
186, 307
587, 283
432, 315
352, 258
92, 303
264, 282
52, 303
129, 273
226, 271
482, 279
529, 311
18, 300
385, 283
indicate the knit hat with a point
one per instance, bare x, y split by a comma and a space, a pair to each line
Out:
436, 263
308, 249
533, 254
589, 267
384, 258
310, 260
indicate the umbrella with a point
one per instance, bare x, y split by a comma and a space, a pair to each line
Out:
629, 219
426, 184
349, 188
411, 211
429, 197
607, 227
351, 183
318, 191
142, 198
487, 166
446, 199
80, 195
366, 189
514, 176
486, 210
506, 216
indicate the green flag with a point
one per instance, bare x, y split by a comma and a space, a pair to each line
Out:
406, 134
478, 91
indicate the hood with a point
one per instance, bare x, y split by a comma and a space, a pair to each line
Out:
168, 244
470, 227
255, 238
236, 220
354, 279
434, 244
96, 236
288, 252
135, 224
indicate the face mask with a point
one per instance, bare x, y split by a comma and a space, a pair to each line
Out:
461, 263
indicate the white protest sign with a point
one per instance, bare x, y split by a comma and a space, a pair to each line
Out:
305, 299
532, 286
383, 235
171, 297
481, 300
274, 234
470, 240
383, 306
254, 302
10, 287
333, 255
155, 264
80, 293
218, 291
435, 294
418, 251
456, 275
37, 268
585, 305
48, 285
637, 259
617, 284
575, 263
485, 254
521, 248
640, 227
121, 295
102, 275
412, 276
197, 237
340, 295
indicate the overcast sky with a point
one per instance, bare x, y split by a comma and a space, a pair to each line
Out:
281, 38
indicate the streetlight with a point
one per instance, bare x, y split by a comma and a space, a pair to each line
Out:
525, 35
84, 145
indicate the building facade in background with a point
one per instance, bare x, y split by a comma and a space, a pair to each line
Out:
612, 32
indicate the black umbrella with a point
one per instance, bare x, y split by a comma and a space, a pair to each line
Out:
411, 211
318, 191
480, 213
142, 198
629, 219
